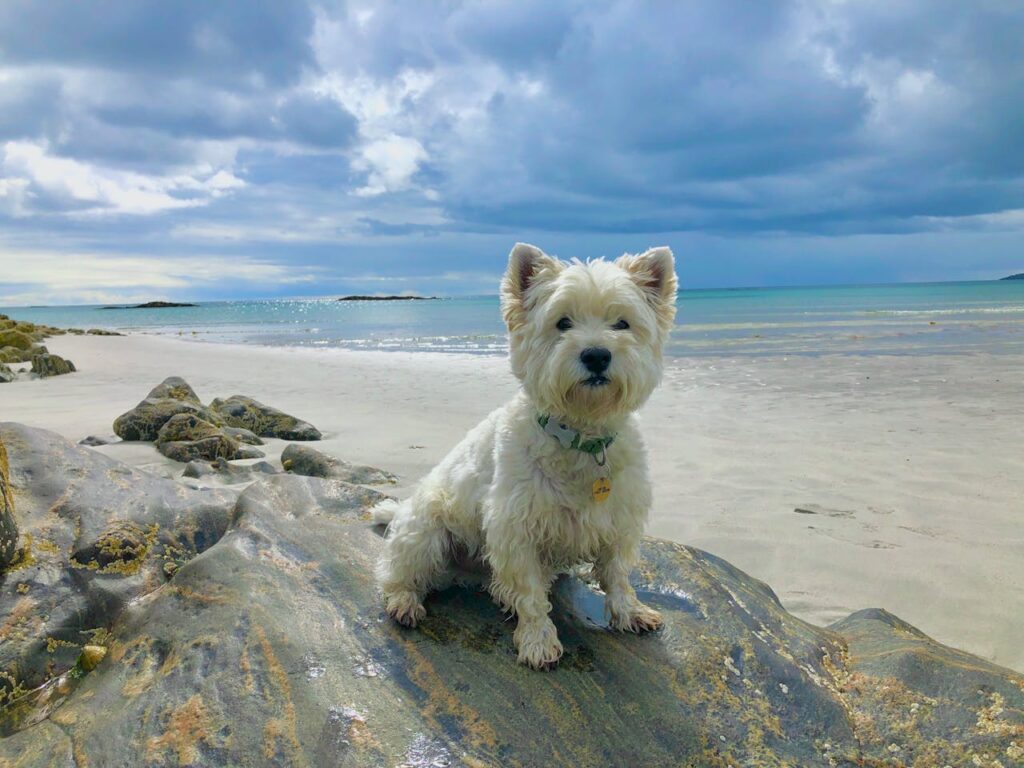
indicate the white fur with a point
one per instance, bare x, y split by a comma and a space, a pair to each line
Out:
509, 496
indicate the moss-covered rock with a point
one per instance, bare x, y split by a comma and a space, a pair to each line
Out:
186, 437
303, 460
263, 420
8, 524
6, 374
17, 338
171, 397
45, 365
271, 648
11, 355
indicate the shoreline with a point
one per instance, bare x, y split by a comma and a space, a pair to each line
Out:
843, 482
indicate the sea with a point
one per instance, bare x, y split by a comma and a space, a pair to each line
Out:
898, 319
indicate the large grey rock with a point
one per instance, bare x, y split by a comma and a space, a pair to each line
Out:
95, 535
246, 413
303, 460
270, 648
6, 374
45, 365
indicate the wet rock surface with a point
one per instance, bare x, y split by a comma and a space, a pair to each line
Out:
245, 413
95, 534
303, 460
265, 644
46, 365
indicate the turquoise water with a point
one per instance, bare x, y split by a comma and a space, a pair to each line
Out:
950, 318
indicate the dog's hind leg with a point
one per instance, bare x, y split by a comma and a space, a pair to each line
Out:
416, 557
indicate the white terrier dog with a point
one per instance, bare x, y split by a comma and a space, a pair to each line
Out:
558, 476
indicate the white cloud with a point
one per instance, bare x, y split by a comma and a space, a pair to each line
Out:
390, 163
97, 190
59, 277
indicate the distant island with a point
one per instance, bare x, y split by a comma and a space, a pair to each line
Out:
152, 305
388, 298
1018, 276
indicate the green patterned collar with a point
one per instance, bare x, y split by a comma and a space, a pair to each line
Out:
571, 438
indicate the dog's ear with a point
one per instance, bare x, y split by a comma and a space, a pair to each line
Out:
527, 266
655, 272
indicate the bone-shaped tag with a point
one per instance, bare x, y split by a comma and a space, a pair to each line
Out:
563, 433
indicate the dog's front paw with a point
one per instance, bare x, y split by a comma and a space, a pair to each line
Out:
538, 644
636, 618
405, 608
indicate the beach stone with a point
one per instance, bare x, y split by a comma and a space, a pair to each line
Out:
271, 648
303, 460
6, 374
242, 435
17, 338
175, 388
46, 365
11, 355
96, 535
102, 332
171, 397
186, 437
229, 473
263, 420
8, 524
94, 440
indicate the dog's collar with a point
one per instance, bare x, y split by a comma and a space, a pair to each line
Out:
571, 438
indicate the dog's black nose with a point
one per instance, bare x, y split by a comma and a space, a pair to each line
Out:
596, 359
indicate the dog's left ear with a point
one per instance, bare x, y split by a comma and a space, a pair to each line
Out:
655, 272
527, 266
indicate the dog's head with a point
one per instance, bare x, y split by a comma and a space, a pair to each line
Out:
586, 338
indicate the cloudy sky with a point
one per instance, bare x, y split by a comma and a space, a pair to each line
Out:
161, 149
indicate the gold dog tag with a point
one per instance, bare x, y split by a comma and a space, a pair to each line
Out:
602, 489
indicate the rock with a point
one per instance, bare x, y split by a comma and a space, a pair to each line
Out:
271, 648
186, 437
303, 460
229, 473
102, 332
93, 440
46, 365
6, 374
175, 388
242, 435
246, 413
171, 397
11, 355
8, 524
96, 535
17, 338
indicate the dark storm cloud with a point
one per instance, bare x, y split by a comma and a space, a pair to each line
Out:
302, 132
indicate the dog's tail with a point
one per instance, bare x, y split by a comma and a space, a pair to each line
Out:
384, 512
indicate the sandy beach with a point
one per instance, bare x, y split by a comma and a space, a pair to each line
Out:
843, 482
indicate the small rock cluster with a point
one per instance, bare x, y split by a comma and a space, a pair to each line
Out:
174, 418
21, 342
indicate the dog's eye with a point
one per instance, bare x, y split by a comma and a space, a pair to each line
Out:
622, 325
564, 324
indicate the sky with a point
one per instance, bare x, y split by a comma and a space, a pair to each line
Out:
161, 149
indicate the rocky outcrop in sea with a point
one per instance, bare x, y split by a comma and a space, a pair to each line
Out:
146, 623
